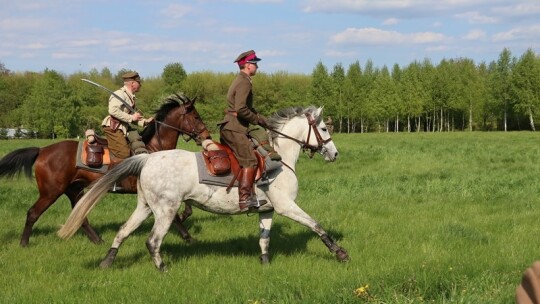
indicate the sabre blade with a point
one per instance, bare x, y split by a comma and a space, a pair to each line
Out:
129, 107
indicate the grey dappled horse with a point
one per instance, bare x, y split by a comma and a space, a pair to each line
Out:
168, 178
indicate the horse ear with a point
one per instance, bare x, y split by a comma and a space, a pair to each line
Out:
318, 112
182, 97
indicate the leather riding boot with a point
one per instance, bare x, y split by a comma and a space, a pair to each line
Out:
247, 200
136, 143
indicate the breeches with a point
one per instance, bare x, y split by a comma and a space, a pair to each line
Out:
241, 147
117, 143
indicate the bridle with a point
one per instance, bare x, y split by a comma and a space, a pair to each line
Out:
192, 132
305, 144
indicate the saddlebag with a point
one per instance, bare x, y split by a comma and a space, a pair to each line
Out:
217, 162
94, 156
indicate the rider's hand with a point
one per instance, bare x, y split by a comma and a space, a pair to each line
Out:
148, 121
262, 121
136, 116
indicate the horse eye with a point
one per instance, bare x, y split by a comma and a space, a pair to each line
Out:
324, 129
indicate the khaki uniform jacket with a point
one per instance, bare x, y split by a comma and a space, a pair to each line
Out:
118, 110
240, 112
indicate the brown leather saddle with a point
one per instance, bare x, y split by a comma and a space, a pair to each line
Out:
222, 162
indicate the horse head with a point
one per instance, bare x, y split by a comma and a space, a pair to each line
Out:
324, 143
176, 117
192, 121
306, 127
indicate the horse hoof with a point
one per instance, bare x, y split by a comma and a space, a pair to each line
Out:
105, 264
265, 259
342, 255
163, 268
190, 241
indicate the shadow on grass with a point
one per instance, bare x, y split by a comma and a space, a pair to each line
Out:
282, 243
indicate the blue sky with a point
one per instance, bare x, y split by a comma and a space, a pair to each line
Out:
292, 36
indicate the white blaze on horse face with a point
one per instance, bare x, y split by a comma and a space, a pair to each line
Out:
329, 150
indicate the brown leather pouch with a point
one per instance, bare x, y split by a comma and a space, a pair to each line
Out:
218, 161
94, 156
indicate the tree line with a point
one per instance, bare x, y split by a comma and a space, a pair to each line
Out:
453, 95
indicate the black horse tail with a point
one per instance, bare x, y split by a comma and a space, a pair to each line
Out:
18, 161
130, 166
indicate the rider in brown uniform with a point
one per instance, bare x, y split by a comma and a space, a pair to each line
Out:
120, 126
234, 128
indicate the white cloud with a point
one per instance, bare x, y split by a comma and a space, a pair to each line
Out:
475, 35
530, 33
531, 8
391, 21
176, 11
475, 18
407, 7
340, 54
121, 42
236, 29
270, 53
84, 42
27, 24
34, 46
375, 36
258, 1
438, 48
66, 55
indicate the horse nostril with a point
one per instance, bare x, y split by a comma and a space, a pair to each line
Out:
336, 155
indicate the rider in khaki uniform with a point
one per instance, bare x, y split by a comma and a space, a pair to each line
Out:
234, 128
120, 124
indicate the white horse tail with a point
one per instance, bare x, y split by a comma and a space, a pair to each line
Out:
130, 166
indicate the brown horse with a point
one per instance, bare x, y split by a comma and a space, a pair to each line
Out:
55, 165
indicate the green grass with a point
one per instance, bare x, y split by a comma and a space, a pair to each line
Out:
426, 218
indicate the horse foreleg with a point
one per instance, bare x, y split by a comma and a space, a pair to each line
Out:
163, 218
297, 214
341, 253
109, 258
135, 220
265, 225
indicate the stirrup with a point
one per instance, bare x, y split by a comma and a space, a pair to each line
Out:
251, 204
116, 188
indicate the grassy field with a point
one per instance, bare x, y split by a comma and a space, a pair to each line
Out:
426, 218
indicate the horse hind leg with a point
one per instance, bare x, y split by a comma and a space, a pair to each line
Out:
179, 224
265, 225
74, 193
33, 214
135, 220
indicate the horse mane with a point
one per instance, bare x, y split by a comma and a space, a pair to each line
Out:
168, 104
282, 116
